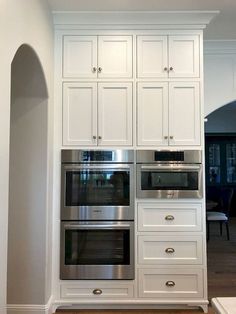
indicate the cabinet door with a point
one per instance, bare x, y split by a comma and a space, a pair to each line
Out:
79, 113
152, 114
114, 56
115, 114
184, 56
152, 56
184, 114
80, 56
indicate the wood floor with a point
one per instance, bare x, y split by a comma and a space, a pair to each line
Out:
221, 256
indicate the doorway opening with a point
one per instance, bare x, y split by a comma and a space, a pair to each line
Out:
27, 180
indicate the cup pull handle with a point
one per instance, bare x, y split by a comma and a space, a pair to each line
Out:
169, 250
169, 217
170, 283
97, 291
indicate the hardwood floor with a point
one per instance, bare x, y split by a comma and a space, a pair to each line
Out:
221, 256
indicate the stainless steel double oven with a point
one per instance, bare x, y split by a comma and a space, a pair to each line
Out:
97, 213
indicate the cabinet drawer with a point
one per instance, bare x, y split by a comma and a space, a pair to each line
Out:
169, 249
169, 217
170, 283
97, 291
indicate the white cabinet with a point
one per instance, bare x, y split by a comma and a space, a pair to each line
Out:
97, 56
174, 56
97, 114
170, 283
168, 113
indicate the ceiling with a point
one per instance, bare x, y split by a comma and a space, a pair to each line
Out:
222, 27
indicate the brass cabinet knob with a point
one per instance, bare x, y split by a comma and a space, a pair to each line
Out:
170, 283
169, 217
171, 137
165, 137
169, 250
165, 69
94, 137
171, 68
97, 291
99, 70
94, 69
99, 137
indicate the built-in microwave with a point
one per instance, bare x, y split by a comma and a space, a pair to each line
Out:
169, 174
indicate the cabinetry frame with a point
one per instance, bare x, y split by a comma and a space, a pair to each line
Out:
121, 24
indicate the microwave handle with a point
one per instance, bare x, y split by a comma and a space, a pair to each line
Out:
180, 167
97, 226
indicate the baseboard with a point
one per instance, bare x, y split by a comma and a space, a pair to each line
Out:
30, 308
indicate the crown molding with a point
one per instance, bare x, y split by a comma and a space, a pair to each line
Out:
134, 18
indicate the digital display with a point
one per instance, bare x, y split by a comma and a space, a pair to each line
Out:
168, 156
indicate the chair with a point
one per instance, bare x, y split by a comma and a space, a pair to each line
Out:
222, 213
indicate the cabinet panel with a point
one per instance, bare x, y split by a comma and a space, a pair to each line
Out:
170, 283
80, 56
159, 249
184, 113
184, 56
115, 56
152, 58
97, 290
79, 113
152, 113
115, 113
169, 217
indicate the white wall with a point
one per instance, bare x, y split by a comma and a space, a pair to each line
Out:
21, 22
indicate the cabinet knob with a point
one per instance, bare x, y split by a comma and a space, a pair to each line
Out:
170, 283
165, 69
94, 69
171, 68
99, 137
169, 217
97, 291
165, 137
169, 250
94, 137
171, 137
99, 70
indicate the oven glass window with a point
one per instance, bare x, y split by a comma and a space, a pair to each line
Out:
161, 180
97, 188
97, 247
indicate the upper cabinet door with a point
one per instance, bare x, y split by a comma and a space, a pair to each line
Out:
184, 56
80, 56
80, 114
152, 114
115, 57
184, 114
152, 58
115, 114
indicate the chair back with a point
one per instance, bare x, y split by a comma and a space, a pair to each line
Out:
226, 196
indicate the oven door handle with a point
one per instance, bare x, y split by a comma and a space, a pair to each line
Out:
180, 167
97, 167
97, 226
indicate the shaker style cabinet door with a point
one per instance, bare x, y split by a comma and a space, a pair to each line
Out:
114, 114
97, 57
166, 56
80, 114
80, 56
114, 56
152, 60
152, 114
184, 114
184, 56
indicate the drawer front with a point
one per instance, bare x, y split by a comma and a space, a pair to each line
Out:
169, 217
169, 249
96, 291
166, 283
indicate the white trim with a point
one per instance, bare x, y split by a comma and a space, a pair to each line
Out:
31, 308
200, 18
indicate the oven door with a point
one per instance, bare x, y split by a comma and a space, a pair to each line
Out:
97, 250
97, 192
169, 181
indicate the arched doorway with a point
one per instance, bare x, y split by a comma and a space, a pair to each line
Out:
27, 180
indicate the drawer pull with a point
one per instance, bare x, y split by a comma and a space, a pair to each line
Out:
169, 217
170, 250
97, 291
170, 283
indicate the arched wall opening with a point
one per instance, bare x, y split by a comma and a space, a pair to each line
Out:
26, 273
